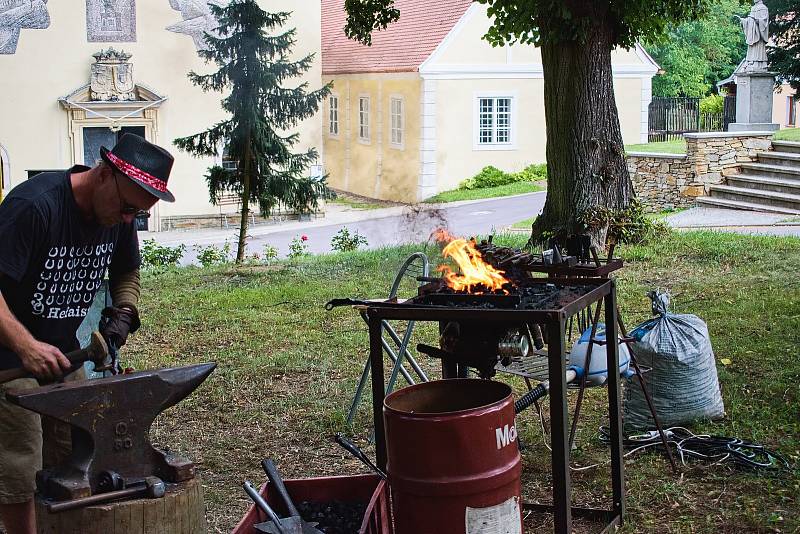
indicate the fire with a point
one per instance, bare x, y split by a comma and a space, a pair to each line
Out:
474, 271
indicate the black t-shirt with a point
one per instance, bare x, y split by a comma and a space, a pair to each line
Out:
52, 260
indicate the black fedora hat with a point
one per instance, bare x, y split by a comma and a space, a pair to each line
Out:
143, 162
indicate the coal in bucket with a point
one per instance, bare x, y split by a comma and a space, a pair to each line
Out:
453, 462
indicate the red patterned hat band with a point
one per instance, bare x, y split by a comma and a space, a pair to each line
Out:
137, 174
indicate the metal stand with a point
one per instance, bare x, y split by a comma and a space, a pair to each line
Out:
555, 321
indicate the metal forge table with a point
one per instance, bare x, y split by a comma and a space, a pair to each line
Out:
554, 320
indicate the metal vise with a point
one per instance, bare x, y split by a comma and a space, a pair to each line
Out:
110, 420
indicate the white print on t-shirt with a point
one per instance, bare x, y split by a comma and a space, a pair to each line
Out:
70, 279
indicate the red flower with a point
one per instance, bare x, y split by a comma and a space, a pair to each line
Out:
304, 237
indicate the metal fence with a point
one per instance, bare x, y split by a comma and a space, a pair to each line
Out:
670, 118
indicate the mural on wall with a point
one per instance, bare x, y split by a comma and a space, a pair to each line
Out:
110, 21
197, 19
16, 15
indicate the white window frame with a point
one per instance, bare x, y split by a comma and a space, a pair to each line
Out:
399, 127
363, 119
333, 115
511, 144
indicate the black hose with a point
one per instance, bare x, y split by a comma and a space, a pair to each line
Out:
527, 400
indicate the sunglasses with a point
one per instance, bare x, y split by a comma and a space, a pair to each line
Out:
124, 207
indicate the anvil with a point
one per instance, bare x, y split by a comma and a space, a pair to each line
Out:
110, 420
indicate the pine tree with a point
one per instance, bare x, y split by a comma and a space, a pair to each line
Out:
254, 64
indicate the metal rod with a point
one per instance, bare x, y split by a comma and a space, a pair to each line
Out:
558, 414
262, 504
417, 369
378, 390
647, 397
586, 366
614, 412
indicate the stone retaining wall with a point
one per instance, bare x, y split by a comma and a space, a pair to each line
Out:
667, 181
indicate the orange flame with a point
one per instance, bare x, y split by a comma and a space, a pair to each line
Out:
474, 271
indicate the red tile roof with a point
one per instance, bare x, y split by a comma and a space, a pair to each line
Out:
401, 47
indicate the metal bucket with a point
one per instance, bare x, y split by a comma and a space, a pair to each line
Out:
453, 462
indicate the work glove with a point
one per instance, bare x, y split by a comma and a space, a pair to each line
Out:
117, 323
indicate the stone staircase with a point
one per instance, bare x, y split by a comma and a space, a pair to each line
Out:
771, 184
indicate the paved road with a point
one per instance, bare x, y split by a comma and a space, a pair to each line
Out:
382, 227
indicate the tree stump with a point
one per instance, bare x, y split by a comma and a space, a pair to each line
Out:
180, 511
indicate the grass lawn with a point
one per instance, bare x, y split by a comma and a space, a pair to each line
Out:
516, 188
787, 134
356, 204
676, 146
287, 370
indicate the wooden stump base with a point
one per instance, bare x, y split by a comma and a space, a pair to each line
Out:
180, 511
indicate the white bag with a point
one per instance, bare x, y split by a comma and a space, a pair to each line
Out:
683, 381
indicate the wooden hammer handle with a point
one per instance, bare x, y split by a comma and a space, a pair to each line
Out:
75, 357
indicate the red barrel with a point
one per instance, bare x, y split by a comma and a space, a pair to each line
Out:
453, 462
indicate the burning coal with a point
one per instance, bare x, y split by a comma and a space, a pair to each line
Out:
476, 276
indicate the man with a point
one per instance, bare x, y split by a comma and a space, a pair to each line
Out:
59, 232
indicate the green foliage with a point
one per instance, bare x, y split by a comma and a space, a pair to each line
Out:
697, 54
344, 241
158, 257
784, 50
298, 246
212, 254
269, 254
254, 59
491, 176
712, 104
546, 21
630, 226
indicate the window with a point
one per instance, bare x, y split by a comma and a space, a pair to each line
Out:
95, 137
396, 112
363, 118
333, 107
228, 163
494, 120
791, 104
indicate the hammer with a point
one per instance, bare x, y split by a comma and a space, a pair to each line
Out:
152, 487
96, 351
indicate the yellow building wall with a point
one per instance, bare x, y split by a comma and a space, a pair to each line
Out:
53, 62
780, 107
374, 168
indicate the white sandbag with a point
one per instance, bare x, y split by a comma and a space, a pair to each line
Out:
683, 381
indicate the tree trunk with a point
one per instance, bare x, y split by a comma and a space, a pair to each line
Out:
586, 166
240, 252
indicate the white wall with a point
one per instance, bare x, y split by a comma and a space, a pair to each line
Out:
51, 63
465, 67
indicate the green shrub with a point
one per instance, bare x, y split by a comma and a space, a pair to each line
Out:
536, 172
213, 255
630, 225
344, 241
494, 177
298, 246
712, 104
155, 256
270, 254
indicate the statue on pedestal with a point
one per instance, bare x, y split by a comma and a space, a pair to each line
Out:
756, 34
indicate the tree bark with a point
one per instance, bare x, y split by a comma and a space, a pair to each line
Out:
240, 251
586, 165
